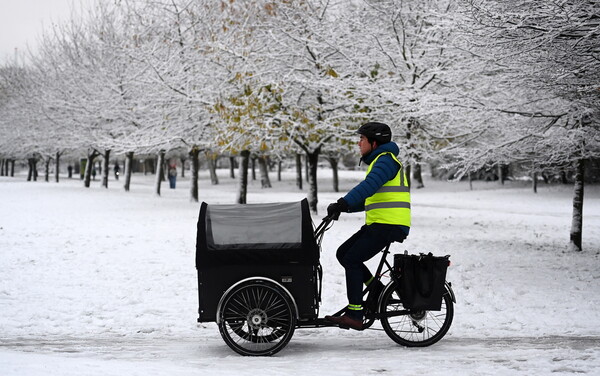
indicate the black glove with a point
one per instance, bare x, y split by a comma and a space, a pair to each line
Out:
334, 209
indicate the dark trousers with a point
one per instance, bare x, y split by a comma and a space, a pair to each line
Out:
360, 247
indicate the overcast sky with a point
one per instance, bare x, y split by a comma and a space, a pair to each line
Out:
22, 21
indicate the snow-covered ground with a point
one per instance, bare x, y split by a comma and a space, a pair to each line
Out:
102, 282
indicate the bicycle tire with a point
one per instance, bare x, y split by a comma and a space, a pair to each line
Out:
419, 328
257, 318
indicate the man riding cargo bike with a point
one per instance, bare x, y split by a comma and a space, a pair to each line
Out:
260, 277
384, 195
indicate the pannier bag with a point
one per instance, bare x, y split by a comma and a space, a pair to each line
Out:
422, 280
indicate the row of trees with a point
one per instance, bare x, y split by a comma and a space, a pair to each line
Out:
464, 83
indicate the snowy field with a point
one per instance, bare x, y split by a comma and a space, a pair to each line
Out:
102, 282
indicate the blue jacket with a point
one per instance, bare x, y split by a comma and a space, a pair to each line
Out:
384, 170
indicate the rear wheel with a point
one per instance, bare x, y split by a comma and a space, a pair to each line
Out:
415, 328
257, 318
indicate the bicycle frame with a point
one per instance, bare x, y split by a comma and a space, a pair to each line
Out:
383, 263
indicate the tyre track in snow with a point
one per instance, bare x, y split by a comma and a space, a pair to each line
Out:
120, 347
336, 353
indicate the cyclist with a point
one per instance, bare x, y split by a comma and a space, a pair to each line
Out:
384, 196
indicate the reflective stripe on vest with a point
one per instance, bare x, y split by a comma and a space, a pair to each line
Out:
391, 203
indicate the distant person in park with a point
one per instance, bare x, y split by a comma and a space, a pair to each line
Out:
70, 171
384, 196
172, 176
116, 170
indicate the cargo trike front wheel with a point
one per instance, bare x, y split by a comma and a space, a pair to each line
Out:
256, 318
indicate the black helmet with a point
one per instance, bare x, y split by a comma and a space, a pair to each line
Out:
376, 131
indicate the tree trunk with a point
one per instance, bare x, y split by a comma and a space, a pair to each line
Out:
577, 220
306, 169
253, 169
183, 166
29, 170
32, 172
165, 170
3, 165
299, 171
313, 159
418, 176
105, 169
128, 167
195, 165
503, 172
157, 168
89, 166
12, 168
243, 176
334, 169
563, 177
47, 169
57, 167
116, 169
407, 172
211, 158
534, 181
265, 182
545, 177
160, 171
232, 167
279, 167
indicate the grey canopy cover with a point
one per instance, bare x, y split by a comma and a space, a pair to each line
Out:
255, 233
265, 226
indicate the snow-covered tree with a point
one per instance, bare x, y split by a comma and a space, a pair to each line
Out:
178, 41
306, 66
542, 58
248, 100
32, 130
405, 67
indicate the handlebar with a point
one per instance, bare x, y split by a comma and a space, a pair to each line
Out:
325, 225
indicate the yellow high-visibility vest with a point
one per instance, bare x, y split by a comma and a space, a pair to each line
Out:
391, 203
